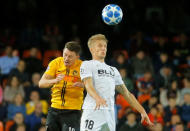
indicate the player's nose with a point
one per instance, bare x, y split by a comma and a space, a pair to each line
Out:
66, 58
103, 48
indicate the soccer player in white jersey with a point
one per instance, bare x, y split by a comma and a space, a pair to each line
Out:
101, 81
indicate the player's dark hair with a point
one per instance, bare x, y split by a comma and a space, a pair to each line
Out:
73, 46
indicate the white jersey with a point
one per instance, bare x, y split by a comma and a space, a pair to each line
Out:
105, 78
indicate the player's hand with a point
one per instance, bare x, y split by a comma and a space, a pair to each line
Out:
58, 78
78, 84
100, 102
144, 117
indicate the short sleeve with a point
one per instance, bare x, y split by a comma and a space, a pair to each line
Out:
16, 60
85, 70
118, 79
51, 69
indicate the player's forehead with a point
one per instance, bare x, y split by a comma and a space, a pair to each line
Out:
100, 42
68, 52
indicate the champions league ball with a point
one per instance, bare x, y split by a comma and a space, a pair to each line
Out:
112, 14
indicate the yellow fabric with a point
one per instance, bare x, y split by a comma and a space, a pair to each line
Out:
64, 95
30, 107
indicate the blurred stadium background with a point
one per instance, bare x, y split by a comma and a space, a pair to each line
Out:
150, 48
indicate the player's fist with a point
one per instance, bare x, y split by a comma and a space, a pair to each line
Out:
145, 119
59, 78
100, 102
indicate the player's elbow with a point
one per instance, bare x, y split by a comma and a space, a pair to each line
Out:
132, 96
40, 84
129, 95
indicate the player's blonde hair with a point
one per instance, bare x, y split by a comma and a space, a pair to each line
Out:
96, 37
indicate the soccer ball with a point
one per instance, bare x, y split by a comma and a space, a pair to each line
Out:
112, 14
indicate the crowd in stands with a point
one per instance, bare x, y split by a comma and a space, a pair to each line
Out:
23, 104
150, 48
159, 76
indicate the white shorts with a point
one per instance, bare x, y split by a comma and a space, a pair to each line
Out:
97, 120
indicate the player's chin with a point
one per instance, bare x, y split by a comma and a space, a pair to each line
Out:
102, 56
67, 63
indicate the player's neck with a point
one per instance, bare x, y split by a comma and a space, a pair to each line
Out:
100, 60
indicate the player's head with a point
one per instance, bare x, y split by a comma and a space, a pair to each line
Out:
71, 52
98, 46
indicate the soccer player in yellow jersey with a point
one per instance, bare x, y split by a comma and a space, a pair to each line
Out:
63, 75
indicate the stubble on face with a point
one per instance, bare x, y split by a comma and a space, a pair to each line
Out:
99, 50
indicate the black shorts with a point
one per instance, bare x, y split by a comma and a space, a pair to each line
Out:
63, 120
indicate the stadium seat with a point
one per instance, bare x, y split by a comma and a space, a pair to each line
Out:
26, 53
4, 83
143, 98
155, 39
183, 66
1, 126
120, 100
8, 125
49, 55
175, 39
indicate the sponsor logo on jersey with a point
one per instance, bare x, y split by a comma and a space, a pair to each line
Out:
81, 70
108, 73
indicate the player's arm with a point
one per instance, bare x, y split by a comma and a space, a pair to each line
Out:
130, 98
48, 80
92, 92
78, 84
133, 102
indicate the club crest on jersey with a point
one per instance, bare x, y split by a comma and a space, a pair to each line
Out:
75, 73
109, 73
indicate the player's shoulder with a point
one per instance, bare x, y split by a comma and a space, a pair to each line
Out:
87, 62
78, 62
57, 60
112, 67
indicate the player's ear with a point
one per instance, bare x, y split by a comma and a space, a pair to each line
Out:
91, 50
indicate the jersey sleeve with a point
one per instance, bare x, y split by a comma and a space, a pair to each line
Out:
51, 69
85, 70
118, 79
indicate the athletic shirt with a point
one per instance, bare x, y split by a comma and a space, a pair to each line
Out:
64, 95
105, 78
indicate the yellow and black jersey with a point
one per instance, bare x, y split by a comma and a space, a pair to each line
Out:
64, 95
